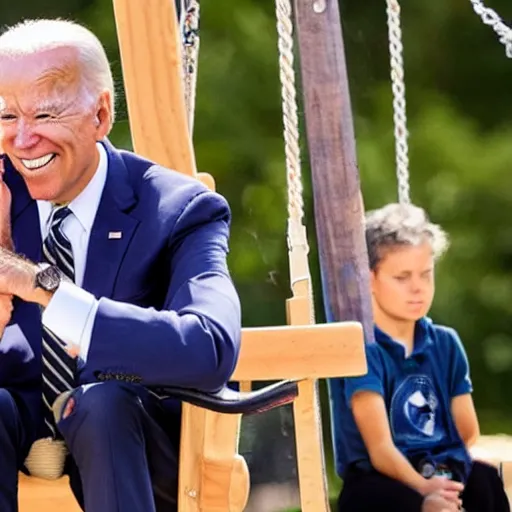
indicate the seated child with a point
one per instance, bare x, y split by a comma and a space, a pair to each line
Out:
408, 423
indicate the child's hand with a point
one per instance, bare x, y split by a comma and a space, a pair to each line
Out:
445, 488
436, 503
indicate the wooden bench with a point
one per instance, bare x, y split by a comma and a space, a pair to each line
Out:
36, 495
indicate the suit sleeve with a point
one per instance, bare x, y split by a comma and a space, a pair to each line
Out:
194, 341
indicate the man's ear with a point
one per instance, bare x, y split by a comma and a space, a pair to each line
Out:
103, 118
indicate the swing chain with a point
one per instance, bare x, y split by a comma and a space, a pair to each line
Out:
399, 106
491, 18
190, 47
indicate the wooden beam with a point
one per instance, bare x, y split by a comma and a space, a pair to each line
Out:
336, 190
307, 351
337, 196
150, 51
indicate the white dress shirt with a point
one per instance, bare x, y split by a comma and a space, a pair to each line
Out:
71, 311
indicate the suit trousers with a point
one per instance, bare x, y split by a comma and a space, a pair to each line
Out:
373, 491
12, 451
123, 449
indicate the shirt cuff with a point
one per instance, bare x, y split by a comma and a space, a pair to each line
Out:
70, 315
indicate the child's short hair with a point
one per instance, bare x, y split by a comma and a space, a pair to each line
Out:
401, 225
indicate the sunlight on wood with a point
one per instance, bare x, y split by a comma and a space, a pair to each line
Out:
36, 495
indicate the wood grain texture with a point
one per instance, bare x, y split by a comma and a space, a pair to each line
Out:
299, 351
151, 59
37, 495
336, 188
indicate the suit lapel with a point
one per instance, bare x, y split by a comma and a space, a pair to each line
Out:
112, 230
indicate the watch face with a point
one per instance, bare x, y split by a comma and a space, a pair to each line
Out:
49, 279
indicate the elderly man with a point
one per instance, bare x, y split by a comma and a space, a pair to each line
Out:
127, 262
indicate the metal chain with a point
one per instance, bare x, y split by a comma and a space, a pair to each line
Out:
399, 110
297, 238
491, 18
190, 46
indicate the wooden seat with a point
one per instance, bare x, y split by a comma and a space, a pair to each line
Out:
37, 495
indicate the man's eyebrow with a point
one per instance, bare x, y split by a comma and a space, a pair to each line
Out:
48, 105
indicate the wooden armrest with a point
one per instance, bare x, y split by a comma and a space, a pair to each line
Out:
310, 351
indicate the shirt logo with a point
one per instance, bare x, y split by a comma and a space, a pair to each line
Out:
415, 414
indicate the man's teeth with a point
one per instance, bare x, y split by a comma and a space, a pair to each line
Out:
37, 163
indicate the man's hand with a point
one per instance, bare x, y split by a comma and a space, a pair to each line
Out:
5, 312
436, 503
444, 488
5, 211
17, 275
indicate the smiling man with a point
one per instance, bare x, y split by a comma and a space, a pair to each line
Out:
127, 262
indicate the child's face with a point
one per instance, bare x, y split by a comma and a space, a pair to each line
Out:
403, 283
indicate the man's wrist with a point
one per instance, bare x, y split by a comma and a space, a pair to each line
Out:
29, 291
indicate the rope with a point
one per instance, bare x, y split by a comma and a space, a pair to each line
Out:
399, 110
491, 18
290, 118
190, 41
297, 239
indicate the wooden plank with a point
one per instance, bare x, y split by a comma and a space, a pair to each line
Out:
150, 52
291, 352
37, 495
314, 495
330, 136
337, 198
215, 478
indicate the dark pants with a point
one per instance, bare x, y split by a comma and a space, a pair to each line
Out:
368, 492
12, 451
123, 450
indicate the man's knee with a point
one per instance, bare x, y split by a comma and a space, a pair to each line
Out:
102, 407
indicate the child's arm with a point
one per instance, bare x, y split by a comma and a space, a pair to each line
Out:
462, 406
372, 421
465, 418
371, 417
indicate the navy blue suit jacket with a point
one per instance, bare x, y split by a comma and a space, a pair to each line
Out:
168, 311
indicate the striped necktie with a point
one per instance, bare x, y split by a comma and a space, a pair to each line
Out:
58, 366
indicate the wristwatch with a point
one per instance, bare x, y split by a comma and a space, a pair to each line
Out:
48, 277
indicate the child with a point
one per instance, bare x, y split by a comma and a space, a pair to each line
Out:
410, 420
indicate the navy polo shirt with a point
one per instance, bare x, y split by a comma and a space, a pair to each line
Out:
417, 391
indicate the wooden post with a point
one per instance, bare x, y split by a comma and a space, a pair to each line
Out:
330, 134
337, 196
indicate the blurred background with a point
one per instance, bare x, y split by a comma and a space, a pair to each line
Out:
460, 122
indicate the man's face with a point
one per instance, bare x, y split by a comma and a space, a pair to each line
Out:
48, 123
403, 283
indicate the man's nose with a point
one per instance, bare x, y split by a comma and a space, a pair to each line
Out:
25, 136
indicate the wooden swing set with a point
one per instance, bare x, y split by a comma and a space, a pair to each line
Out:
160, 96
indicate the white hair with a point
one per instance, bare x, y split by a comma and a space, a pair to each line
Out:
33, 36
